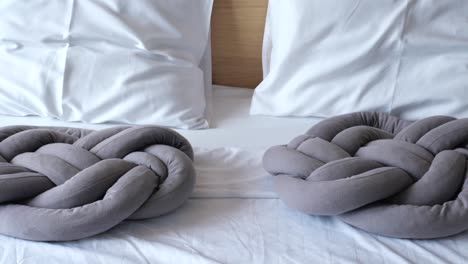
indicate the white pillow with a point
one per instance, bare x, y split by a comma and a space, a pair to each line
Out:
409, 58
118, 61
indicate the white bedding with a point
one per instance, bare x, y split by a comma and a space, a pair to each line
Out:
107, 60
233, 216
323, 58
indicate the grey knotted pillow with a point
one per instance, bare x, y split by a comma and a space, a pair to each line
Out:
379, 173
65, 183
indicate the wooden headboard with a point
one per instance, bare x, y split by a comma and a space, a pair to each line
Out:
236, 36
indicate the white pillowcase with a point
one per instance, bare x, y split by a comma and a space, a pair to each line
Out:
409, 58
118, 61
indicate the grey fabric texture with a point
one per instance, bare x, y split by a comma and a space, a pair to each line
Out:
379, 173
59, 184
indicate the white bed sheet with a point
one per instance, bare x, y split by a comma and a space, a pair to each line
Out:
233, 215
231, 124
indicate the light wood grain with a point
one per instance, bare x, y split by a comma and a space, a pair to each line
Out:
237, 35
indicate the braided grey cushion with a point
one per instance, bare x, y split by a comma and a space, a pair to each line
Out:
379, 173
66, 183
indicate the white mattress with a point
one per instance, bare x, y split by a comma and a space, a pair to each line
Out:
233, 215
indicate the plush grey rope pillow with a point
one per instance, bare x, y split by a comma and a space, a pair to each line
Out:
379, 173
65, 183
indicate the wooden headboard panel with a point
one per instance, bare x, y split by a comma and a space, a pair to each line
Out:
236, 36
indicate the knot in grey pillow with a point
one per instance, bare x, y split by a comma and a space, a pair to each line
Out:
376, 172
61, 184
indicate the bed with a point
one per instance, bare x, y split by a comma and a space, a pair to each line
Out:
233, 215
